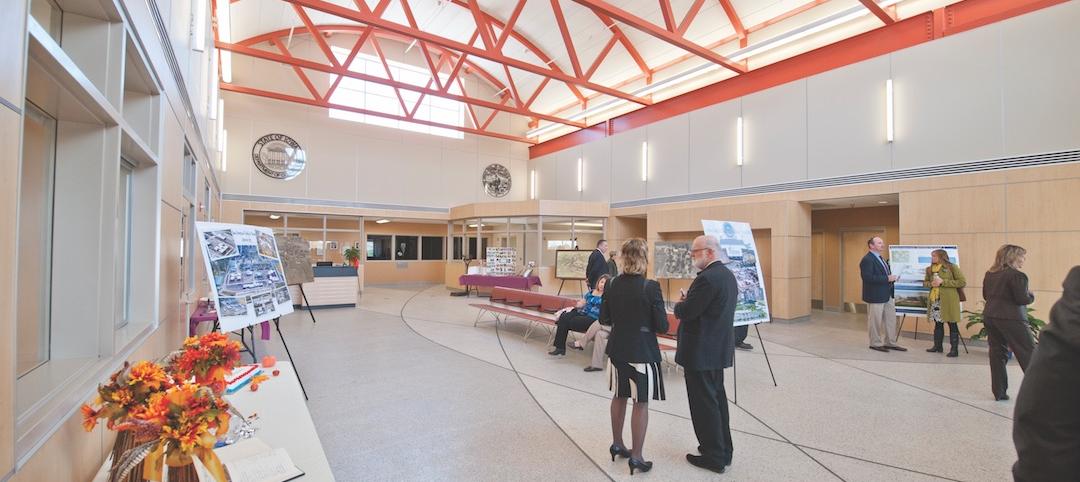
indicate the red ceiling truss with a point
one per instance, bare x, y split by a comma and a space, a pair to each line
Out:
447, 59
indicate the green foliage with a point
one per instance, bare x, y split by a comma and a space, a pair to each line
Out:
976, 318
352, 255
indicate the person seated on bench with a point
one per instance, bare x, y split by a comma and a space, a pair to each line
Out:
579, 318
600, 333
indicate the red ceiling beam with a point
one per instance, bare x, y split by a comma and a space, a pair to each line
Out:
601, 56
876, 9
678, 60
669, 37
384, 24
319, 40
568, 41
343, 71
508, 27
627, 44
690, 15
669, 17
961, 16
328, 105
299, 73
736, 22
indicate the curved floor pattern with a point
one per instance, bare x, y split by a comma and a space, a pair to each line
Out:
406, 388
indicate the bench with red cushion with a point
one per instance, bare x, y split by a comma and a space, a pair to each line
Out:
536, 308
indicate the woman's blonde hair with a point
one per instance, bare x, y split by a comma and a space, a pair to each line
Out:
1007, 255
942, 256
635, 256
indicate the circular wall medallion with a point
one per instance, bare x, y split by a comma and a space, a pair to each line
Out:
496, 180
278, 156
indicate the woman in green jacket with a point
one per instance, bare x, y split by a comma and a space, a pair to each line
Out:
943, 305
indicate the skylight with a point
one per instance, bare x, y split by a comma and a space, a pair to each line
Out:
381, 98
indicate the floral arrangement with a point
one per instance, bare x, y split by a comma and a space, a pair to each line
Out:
128, 389
174, 426
208, 358
162, 415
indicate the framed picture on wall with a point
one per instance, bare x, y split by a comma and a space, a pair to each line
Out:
331, 245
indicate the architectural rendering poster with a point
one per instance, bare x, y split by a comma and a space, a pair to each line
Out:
910, 263
295, 254
571, 263
739, 254
672, 261
248, 282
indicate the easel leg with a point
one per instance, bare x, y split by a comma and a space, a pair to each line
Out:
277, 326
903, 319
561, 283
916, 335
735, 378
306, 302
766, 353
962, 342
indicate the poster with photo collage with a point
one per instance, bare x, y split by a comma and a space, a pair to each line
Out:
246, 275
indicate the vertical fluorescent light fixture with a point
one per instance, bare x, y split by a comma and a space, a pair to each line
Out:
889, 132
739, 141
223, 148
644, 161
221, 111
580, 174
532, 184
200, 25
225, 35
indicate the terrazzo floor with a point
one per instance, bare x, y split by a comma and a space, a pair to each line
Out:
405, 388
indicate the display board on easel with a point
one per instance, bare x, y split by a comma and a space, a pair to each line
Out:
571, 264
738, 252
910, 263
247, 280
296, 259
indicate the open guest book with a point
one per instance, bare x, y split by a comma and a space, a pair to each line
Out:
252, 460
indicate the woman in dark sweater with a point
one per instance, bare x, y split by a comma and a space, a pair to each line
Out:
634, 307
1005, 289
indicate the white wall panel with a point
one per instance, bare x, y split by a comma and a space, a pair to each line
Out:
1039, 50
948, 99
566, 170
846, 112
597, 159
711, 153
626, 165
669, 158
458, 184
774, 135
546, 176
374, 161
421, 178
331, 167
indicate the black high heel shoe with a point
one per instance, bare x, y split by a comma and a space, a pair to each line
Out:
639, 465
620, 451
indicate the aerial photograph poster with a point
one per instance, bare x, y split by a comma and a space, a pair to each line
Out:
247, 279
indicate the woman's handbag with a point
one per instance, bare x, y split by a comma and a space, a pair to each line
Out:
960, 293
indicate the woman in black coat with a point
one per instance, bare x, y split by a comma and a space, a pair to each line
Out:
1005, 289
1047, 419
634, 307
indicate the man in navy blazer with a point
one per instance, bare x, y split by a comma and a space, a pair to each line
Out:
706, 347
877, 293
597, 264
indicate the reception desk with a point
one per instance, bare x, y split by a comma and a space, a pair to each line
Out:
334, 287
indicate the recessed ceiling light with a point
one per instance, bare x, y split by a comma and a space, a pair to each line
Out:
275, 217
883, 202
382, 221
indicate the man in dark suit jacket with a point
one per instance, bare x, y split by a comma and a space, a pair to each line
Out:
597, 264
877, 293
706, 347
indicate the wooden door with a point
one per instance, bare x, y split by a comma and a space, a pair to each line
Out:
852, 249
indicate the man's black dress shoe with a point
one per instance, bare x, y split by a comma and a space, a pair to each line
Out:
700, 461
1002, 398
896, 347
879, 348
744, 346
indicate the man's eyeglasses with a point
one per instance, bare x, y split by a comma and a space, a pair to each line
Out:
692, 251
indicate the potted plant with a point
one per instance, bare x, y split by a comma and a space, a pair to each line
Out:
976, 318
352, 255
